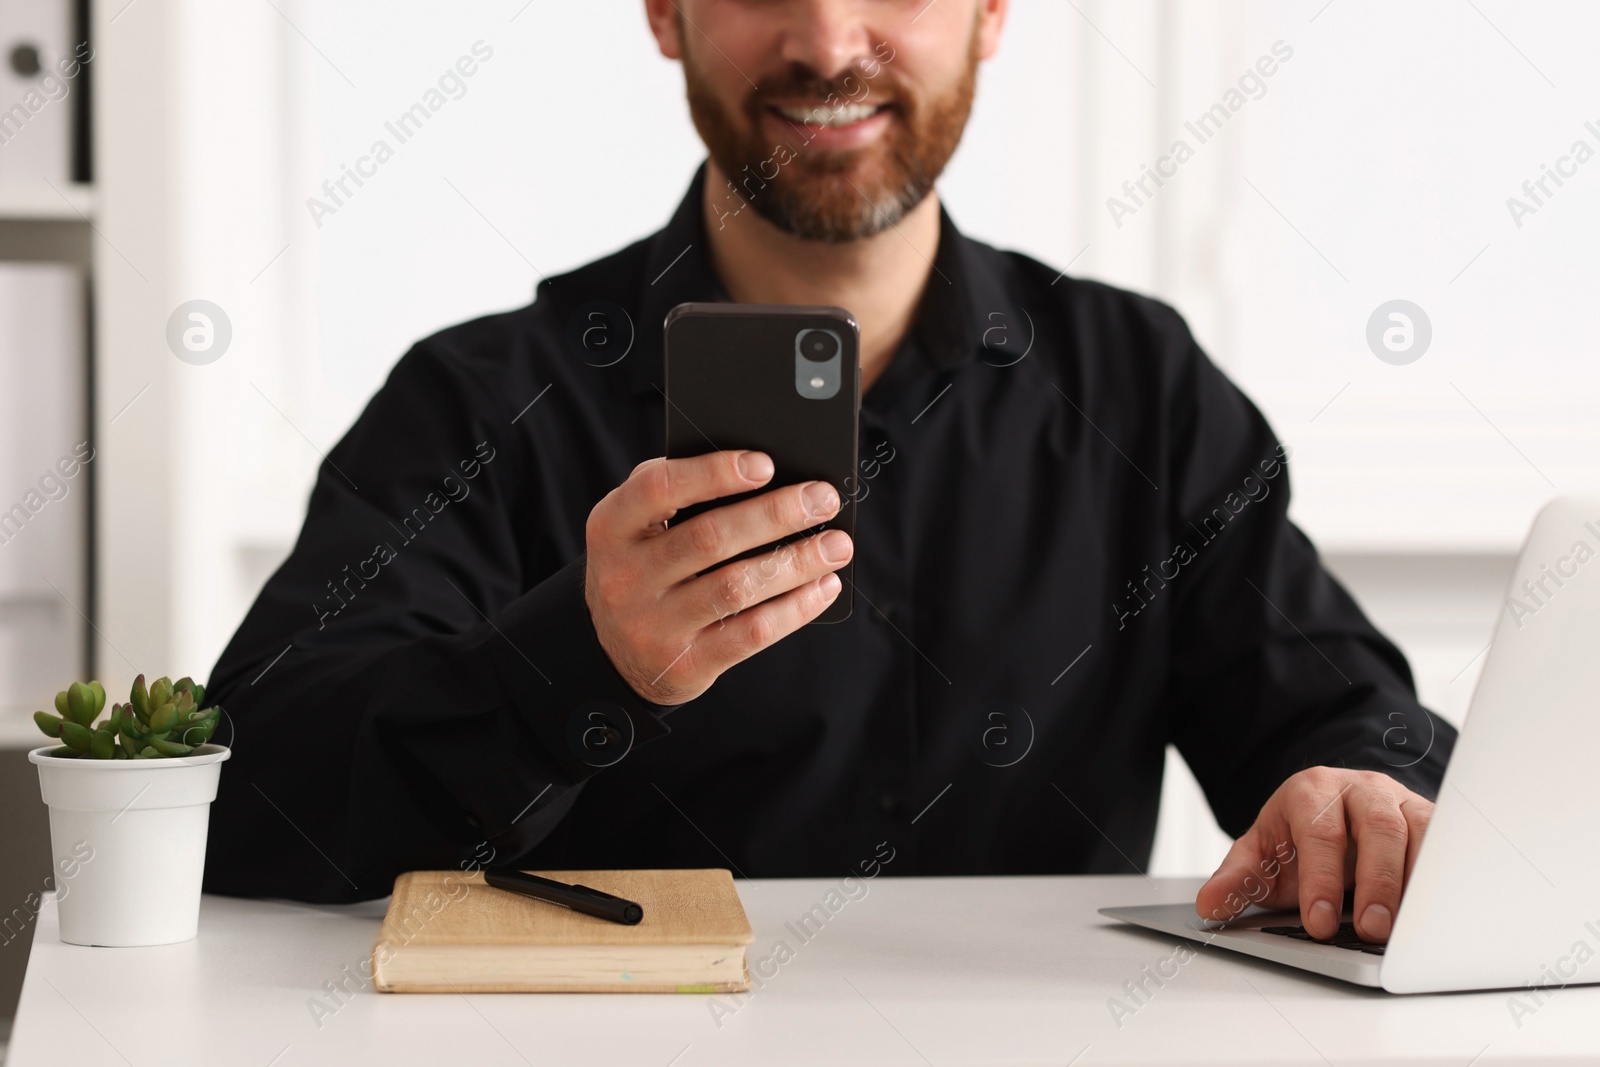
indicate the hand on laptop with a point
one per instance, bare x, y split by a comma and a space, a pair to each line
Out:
1325, 829
669, 633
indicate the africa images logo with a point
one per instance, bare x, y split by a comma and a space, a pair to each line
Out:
1537, 592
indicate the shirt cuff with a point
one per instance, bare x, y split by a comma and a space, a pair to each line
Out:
565, 687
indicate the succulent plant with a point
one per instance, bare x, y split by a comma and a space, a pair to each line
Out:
167, 719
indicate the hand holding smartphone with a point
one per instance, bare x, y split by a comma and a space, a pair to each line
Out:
740, 534
781, 380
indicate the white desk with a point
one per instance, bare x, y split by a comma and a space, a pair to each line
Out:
917, 972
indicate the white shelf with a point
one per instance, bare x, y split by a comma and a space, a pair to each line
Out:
38, 201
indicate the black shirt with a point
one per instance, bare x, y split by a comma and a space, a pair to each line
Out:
1071, 550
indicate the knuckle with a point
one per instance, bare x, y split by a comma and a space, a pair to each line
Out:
1303, 791
752, 635
787, 511
765, 568
1322, 832
653, 478
729, 595
1319, 778
614, 584
596, 525
1384, 824
1418, 811
706, 538
1381, 883
1323, 787
786, 560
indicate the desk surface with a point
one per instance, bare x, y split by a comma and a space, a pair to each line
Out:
917, 972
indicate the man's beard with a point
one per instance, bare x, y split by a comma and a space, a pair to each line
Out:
833, 195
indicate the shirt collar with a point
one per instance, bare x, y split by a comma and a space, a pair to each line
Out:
963, 293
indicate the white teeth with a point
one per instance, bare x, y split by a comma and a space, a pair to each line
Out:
828, 116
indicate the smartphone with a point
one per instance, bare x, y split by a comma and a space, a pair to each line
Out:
779, 379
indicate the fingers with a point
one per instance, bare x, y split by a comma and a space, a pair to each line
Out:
1256, 870
723, 533
1380, 831
1317, 820
739, 586
659, 487
718, 647
1321, 830
663, 621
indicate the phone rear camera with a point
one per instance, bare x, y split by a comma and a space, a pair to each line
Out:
818, 363
819, 346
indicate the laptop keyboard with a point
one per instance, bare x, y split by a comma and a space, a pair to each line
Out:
1345, 938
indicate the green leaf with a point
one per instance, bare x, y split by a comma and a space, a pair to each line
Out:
80, 702
164, 718
140, 699
99, 696
148, 753
194, 689
101, 744
48, 723
170, 748
132, 728
200, 731
160, 693
129, 746
75, 735
61, 703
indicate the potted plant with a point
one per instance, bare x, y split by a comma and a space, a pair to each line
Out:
130, 803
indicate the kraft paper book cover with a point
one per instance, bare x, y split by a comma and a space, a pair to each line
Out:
449, 932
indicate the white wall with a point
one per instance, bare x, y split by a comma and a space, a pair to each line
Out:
1375, 164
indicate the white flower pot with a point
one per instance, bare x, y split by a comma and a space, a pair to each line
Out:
129, 842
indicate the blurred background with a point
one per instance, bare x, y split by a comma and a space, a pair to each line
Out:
1382, 159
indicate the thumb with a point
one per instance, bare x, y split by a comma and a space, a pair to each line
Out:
1258, 869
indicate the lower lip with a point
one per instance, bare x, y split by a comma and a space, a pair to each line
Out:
851, 136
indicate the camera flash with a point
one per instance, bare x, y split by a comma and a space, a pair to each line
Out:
817, 382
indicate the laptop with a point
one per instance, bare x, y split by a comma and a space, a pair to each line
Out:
1505, 891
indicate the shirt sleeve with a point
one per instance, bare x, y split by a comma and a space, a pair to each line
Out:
408, 691
1273, 668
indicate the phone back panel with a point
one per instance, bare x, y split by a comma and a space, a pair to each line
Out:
731, 383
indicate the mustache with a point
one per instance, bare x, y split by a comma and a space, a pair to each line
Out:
855, 86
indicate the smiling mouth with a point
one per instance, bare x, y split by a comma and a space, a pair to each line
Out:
829, 117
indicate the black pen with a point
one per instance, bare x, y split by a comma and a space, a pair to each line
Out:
577, 897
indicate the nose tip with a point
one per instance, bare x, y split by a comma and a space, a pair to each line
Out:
830, 39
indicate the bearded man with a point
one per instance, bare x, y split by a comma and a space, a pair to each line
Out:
1071, 550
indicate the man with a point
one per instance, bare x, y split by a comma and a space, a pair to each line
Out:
1071, 549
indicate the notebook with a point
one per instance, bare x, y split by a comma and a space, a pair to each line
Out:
450, 932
